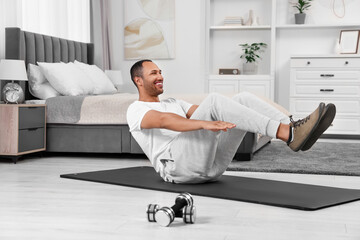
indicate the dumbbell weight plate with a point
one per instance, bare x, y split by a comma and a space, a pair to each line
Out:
164, 216
188, 198
189, 214
151, 211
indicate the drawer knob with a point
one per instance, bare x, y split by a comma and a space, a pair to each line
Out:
308, 63
326, 90
346, 62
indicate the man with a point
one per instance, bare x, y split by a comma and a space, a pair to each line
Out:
195, 143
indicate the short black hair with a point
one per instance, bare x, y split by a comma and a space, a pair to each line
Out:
137, 69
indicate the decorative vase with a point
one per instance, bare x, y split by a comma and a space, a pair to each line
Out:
250, 68
250, 21
255, 20
300, 18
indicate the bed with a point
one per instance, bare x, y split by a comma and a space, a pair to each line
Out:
88, 136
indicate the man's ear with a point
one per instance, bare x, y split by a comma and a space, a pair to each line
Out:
138, 81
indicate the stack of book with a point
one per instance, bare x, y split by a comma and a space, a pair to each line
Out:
233, 21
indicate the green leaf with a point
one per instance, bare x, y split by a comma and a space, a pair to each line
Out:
251, 51
302, 5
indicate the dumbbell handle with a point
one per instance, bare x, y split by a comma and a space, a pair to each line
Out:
179, 214
179, 204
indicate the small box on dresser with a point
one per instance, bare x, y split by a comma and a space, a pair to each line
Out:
331, 78
22, 129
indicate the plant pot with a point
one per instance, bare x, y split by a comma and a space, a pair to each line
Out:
250, 68
300, 18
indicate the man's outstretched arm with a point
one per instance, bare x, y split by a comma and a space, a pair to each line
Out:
171, 121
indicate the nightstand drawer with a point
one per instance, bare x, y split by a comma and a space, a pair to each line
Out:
31, 139
31, 117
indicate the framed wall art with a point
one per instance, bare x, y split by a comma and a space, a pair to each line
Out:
349, 41
149, 29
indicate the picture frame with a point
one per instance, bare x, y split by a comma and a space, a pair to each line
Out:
349, 41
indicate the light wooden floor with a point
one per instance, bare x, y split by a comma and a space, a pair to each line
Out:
35, 203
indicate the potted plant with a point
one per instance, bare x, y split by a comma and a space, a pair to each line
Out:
251, 54
301, 6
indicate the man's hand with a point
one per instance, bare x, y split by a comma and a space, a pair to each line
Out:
216, 126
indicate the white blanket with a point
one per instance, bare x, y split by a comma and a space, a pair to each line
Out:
111, 109
106, 109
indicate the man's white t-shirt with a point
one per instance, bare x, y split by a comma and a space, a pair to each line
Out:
154, 142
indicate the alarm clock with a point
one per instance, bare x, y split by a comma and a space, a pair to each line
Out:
13, 93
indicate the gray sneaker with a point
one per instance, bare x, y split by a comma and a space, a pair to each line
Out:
303, 128
325, 121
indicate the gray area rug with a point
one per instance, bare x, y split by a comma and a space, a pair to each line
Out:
323, 158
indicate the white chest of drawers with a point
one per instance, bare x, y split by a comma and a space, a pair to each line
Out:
335, 79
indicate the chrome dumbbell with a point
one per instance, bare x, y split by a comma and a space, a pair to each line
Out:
150, 212
183, 208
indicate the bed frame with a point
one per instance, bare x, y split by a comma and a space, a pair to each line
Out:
33, 47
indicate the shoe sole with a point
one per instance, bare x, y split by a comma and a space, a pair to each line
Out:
321, 110
325, 122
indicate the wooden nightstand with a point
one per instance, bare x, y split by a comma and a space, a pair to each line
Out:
22, 129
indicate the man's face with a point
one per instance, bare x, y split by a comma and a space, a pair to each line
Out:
152, 79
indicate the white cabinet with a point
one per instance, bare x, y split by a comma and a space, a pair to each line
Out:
223, 50
224, 86
230, 85
331, 78
257, 87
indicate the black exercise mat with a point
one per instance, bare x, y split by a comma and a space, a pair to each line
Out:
268, 192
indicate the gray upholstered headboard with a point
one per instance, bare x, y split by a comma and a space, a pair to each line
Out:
34, 47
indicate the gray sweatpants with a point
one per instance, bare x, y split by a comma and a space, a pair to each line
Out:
203, 155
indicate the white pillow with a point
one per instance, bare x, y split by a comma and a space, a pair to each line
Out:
66, 78
39, 86
101, 83
116, 78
